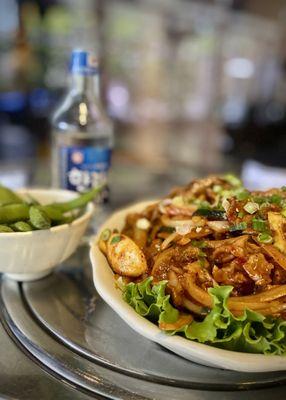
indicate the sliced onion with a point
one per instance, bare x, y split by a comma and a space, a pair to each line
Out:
168, 240
163, 204
195, 308
184, 229
266, 295
166, 202
176, 222
173, 279
219, 226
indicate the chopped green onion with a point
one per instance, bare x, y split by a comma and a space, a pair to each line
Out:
201, 203
232, 180
202, 253
238, 227
259, 199
240, 214
226, 194
105, 235
178, 201
202, 261
251, 207
265, 238
115, 239
217, 188
199, 243
259, 225
275, 199
242, 195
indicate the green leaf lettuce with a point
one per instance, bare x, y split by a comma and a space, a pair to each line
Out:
251, 332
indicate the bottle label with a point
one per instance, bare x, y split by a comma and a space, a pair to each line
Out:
83, 63
84, 167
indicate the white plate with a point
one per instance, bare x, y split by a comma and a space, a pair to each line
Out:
197, 352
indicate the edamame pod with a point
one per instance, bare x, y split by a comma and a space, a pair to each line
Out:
22, 226
5, 229
23, 215
13, 213
78, 202
31, 200
53, 213
7, 196
39, 218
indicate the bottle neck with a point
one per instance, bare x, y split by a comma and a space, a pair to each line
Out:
87, 85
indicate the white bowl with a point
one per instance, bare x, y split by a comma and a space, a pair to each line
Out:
32, 255
197, 352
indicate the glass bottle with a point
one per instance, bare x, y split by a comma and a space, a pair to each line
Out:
82, 133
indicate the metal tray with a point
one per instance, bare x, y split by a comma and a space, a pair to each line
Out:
63, 325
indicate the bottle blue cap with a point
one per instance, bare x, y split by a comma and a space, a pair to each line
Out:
83, 63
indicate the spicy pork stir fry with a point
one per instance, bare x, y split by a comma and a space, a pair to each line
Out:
209, 234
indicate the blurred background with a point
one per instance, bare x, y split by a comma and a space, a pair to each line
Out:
193, 87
